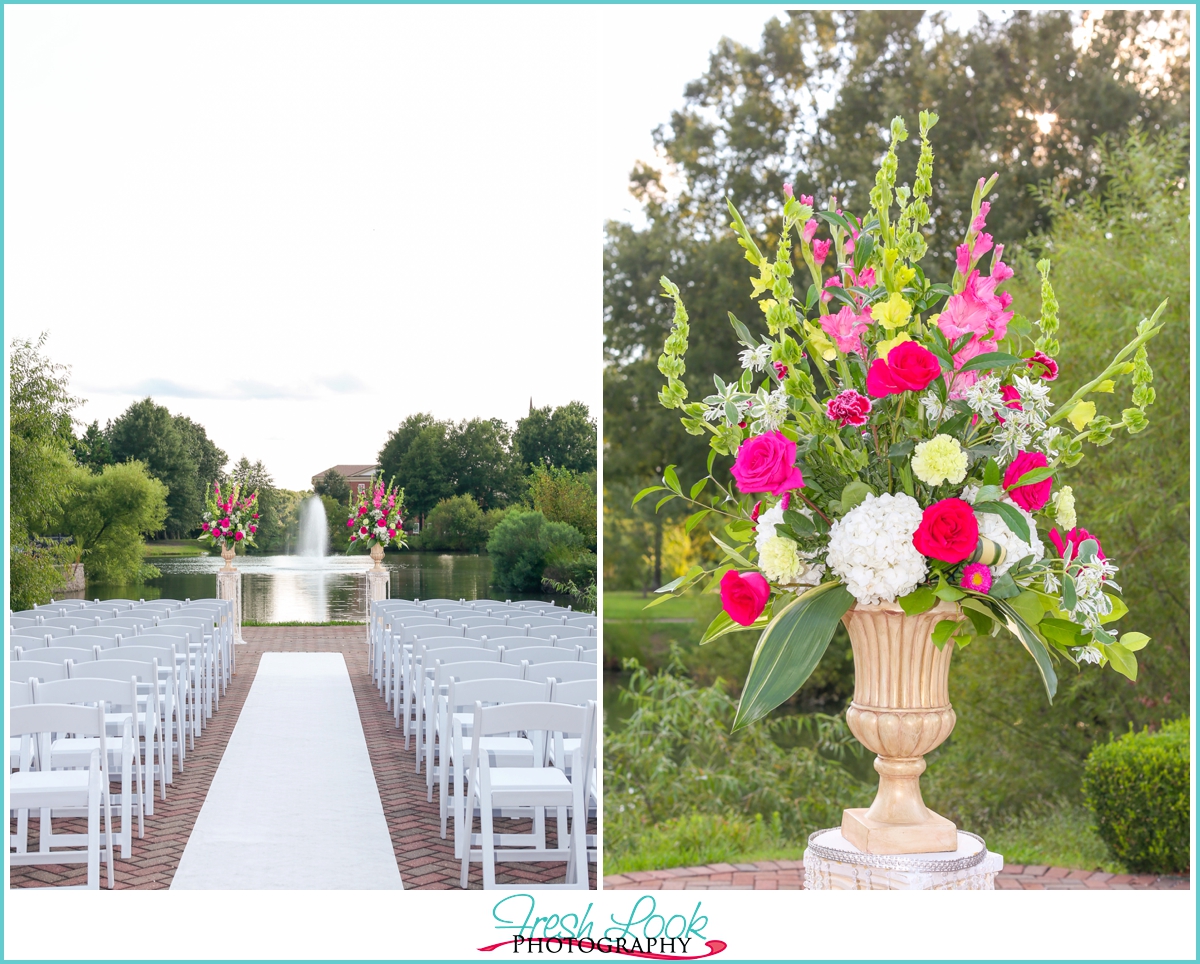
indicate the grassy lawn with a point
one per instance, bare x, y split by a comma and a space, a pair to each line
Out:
160, 550
631, 606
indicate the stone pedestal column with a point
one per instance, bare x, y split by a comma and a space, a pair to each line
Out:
229, 586
833, 863
379, 585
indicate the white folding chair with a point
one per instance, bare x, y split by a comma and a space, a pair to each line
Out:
29, 669
538, 787
424, 656
559, 632
119, 699
495, 632
564, 672
540, 654
49, 790
56, 654
169, 695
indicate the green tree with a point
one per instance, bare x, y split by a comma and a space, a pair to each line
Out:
391, 456
520, 546
273, 505
145, 432
334, 485
565, 496
40, 471
456, 524
423, 473
564, 437
92, 449
481, 463
210, 460
108, 513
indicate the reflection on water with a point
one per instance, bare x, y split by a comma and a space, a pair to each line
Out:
308, 589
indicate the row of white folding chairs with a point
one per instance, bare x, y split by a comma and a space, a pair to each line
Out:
122, 759
61, 662
492, 786
408, 667
197, 647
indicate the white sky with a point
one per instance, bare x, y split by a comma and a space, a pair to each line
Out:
651, 53
298, 225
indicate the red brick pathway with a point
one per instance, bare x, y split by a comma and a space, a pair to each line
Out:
789, 875
425, 860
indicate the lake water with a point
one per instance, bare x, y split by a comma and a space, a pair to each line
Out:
312, 589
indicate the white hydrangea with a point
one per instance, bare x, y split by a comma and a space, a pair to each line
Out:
779, 557
992, 526
871, 549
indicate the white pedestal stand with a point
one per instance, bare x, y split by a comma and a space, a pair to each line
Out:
379, 585
229, 586
832, 863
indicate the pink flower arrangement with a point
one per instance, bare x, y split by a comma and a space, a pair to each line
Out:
375, 517
228, 517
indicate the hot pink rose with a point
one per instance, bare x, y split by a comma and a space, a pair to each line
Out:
353, 538
349, 523
767, 463
362, 531
253, 529
1029, 497
237, 536
224, 523
203, 526
744, 595
948, 531
909, 368
391, 533
1072, 541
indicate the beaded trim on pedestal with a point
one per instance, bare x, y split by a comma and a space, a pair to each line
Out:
899, 862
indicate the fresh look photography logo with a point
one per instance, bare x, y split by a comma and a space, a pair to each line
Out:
643, 931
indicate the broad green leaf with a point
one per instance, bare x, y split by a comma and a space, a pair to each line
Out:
672, 480
1032, 477
694, 519
1119, 608
991, 473
829, 217
1029, 639
734, 554
943, 631
1010, 514
712, 457
982, 621
920, 600
699, 487
1062, 631
949, 593
790, 648
991, 359
743, 333
722, 625
664, 500
1123, 661
1069, 597
990, 493
854, 494
1028, 607
647, 491
1134, 641
1087, 550
1003, 587
740, 529
668, 587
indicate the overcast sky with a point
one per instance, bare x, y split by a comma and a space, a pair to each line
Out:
298, 225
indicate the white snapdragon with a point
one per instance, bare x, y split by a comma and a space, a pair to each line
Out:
871, 548
769, 410
779, 557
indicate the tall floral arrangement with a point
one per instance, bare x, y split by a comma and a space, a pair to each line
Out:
898, 441
230, 518
376, 517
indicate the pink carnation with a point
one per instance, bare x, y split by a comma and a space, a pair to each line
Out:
1049, 370
849, 408
820, 250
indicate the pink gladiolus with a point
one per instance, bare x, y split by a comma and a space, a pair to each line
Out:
980, 220
834, 282
810, 230
845, 328
807, 199
787, 189
820, 250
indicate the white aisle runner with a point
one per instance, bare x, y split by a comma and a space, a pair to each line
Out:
293, 805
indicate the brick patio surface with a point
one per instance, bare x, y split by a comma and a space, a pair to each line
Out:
789, 875
424, 859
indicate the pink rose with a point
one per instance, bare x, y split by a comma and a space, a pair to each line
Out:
948, 531
362, 531
1031, 497
353, 538
391, 533
225, 523
237, 536
1068, 547
767, 463
908, 368
253, 529
349, 523
744, 595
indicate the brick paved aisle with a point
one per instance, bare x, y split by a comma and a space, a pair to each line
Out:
789, 875
425, 860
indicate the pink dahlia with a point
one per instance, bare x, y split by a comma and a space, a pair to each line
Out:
849, 408
978, 577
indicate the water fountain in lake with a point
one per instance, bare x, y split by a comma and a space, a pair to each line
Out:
314, 529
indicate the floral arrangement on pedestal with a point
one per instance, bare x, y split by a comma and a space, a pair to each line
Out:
376, 518
897, 447
229, 519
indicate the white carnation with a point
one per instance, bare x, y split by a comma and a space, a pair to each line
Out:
779, 557
871, 549
992, 526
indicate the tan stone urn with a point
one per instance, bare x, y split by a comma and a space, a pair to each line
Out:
227, 553
901, 711
377, 555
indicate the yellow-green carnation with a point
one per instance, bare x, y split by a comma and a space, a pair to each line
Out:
939, 460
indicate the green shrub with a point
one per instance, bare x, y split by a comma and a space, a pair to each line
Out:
1139, 788
703, 838
520, 545
674, 756
456, 524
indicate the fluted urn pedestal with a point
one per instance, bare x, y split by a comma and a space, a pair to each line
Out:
901, 711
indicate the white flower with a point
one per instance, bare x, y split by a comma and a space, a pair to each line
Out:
984, 397
756, 359
935, 411
992, 526
1064, 507
1088, 654
779, 557
769, 410
871, 549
